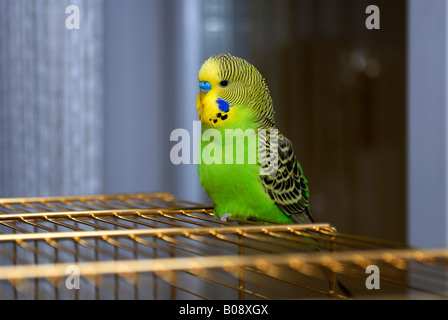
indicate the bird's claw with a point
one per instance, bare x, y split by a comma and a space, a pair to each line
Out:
225, 216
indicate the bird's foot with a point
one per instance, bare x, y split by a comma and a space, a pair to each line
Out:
225, 216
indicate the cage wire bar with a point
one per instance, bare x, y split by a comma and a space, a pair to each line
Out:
154, 246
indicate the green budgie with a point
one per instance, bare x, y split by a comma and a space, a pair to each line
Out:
234, 100
234, 104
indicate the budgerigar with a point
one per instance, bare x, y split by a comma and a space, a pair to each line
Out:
234, 98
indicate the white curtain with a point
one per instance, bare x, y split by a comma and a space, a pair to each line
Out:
90, 110
51, 98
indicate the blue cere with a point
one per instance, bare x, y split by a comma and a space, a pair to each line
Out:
205, 86
223, 105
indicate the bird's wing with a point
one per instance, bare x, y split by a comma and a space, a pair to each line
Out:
285, 183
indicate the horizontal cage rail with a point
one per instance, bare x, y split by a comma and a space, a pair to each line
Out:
154, 246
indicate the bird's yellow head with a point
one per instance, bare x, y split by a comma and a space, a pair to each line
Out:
233, 94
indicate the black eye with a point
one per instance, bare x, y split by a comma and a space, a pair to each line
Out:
224, 83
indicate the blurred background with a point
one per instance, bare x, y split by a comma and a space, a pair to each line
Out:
90, 110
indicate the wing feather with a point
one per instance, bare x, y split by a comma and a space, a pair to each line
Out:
285, 183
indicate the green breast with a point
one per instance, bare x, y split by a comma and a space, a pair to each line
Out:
230, 175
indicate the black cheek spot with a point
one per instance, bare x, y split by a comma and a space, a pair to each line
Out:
215, 120
224, 117
219, 115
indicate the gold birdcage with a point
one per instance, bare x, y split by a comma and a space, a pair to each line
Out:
154, 246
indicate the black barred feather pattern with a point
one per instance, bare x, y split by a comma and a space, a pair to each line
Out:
247, 87
283, 181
